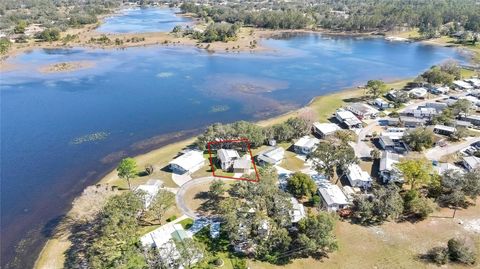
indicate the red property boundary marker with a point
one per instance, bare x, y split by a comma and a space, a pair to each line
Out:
242, 140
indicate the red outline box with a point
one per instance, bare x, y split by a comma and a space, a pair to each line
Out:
244, 140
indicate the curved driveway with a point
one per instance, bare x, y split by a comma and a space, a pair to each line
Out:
180, 195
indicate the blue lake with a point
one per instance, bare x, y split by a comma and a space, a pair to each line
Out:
138, 20
139, 97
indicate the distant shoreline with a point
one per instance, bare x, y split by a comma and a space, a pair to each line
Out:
246, 37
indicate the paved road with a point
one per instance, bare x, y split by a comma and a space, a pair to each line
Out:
362, 150
438, 152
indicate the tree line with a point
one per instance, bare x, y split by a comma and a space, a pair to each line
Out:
430, 17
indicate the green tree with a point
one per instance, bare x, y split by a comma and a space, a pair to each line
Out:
436, 75
127, 169
216, 189
455, 188
116, 236
417, 205
160, 204
329, 157
460, 251
301, 185
5, 45
51, 34
20, 27
419, 138
190, 252
438, 255
417, 172
376, 88
384, 204
315, 234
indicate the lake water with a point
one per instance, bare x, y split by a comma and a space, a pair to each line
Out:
138, 20
134, 99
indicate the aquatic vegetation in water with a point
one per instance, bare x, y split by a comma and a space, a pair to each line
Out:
164, 74
219, 108
90, 138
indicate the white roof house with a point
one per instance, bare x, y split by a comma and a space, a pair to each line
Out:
163, 238
333, 198
475, 82
362, 110
380, 103
357, 177
298, 211
348, 118
150, 189
227, 157
474, 100
441, 168
444, 130
421, 112
242, 165
388, 171
271, 156
462, 85
306, 145
473, 119
325, 129
440, 90
418, 92
471, 162
189, 162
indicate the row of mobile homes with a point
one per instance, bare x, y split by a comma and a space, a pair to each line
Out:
462, 85
409, 122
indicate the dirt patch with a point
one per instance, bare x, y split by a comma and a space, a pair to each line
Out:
196, 198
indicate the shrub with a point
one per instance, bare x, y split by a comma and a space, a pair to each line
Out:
460, 251
172, 218
218, 262
438, 255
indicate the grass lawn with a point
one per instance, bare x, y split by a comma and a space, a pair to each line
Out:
186, 223
291, 162
159, 158
218, 248
391, 245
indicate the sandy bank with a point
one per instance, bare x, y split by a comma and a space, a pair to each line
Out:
66, 66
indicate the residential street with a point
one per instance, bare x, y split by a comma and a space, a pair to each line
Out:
362, 150
437, 153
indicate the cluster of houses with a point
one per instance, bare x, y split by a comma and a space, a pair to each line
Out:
334, 197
